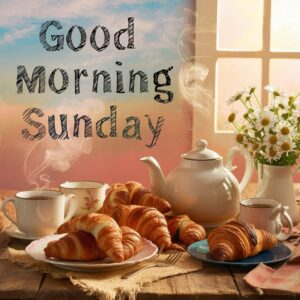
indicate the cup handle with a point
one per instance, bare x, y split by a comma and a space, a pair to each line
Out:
73, 206
283, 236
3, 208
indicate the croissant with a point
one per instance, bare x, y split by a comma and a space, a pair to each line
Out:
78, 245
132, 242
106, 231
238, 240
82, 246
183, 229
116, 195
140, 196
148, 222
132, 193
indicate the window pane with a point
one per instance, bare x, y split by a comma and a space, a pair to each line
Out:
240, 25
232, 75
284, 74
285, 25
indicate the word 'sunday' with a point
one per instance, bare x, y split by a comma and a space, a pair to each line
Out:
161, 80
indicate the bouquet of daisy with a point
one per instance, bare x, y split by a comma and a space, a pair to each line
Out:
271, 134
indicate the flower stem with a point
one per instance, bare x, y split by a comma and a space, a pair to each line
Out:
235, 125
257, 101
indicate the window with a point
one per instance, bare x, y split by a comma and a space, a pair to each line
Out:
243, 43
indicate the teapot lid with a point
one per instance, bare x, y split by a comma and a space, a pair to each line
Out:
201, 153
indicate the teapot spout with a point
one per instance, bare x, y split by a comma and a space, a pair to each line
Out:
158, 181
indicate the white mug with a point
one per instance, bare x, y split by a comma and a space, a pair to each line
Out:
90, 195
265, 214
40, 212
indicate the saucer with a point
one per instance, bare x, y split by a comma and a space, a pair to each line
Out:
13, 231
278, 253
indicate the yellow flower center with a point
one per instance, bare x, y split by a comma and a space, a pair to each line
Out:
239, 138
273, 139
265, 121
272, 152
231, 117
285, 130
286, 146
255, 147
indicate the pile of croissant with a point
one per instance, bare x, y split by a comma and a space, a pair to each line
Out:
129, 213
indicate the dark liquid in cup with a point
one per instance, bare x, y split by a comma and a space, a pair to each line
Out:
40, 198
260, 205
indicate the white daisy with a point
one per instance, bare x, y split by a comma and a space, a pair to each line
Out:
234, 98
254, 148
245, 147
282, 103
251, 133
231, 100
284, 94
270, 140
269, 89
245, 96
285, 130
273, 153
249, 89
240, 138
297, 104
266, 119
256, 114
252, 88
231, 117
287, 146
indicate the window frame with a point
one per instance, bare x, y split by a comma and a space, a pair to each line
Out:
206, 53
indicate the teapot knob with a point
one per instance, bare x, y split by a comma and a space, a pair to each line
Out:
201, 144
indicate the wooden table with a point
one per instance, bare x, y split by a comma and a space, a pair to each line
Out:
209, 283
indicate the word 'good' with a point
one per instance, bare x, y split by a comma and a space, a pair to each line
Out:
59, 38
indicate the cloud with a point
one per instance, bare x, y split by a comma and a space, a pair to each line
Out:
16, 11
16, 34
151, 21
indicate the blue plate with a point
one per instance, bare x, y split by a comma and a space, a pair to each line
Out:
276, 254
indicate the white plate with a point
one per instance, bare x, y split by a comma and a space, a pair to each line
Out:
36, 250
13, 231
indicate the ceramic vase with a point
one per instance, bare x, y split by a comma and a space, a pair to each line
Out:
276, 182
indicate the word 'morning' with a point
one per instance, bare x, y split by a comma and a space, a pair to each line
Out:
104, 127
38, 77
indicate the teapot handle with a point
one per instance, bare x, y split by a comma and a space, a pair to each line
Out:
249, 165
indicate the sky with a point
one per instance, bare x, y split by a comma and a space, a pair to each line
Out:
158, 26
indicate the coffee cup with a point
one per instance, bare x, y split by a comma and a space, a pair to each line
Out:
89, 194
266, 214
40, 212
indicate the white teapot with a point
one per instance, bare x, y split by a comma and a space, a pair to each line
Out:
201, 186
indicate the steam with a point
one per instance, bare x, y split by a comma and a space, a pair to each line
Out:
191, 84
56, 156
192, 75
59, 155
